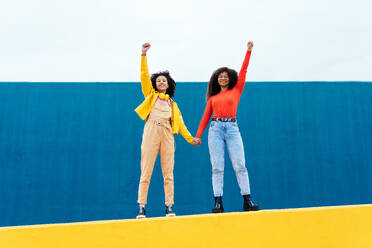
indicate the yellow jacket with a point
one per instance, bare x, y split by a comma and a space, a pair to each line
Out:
144, 109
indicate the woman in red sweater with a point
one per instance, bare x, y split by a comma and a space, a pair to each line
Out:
224, 90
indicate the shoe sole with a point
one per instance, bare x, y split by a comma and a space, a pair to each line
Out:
140, 217
170, 215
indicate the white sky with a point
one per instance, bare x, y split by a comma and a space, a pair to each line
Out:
100, 40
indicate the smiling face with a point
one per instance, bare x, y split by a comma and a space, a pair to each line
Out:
162, 84
223, 79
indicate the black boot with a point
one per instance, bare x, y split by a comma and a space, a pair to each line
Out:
141, 213
169, 211
218, 208
248, 204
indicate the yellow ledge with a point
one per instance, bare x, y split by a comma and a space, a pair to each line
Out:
344, 226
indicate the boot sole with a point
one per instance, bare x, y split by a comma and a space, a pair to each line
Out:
217, 211
170, 215
251, 209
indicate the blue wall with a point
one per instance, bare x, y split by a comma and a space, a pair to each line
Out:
71, 151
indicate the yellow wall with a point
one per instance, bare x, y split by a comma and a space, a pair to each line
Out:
346, 226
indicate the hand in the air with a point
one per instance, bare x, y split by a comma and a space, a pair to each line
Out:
250, 45
145, 48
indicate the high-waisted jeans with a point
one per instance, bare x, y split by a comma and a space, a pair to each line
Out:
221, 133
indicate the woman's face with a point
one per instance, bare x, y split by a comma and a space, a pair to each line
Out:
162, 84
223, 79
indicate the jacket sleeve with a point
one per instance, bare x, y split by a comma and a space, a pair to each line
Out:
146, 84
183, 130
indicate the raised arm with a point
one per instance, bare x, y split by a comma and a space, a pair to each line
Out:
243, 71
145, 76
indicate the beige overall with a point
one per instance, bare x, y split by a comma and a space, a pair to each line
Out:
157, 137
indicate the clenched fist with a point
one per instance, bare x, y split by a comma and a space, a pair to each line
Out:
250, 45
145, 48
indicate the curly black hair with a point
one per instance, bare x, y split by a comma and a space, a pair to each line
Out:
213, 86
171, 83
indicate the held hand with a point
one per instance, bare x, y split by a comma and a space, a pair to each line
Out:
196, 141
250, 45
145, 48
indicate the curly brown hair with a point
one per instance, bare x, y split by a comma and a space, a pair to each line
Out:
171, 83
214, 88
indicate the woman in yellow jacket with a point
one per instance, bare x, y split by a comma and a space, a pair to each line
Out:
163, 121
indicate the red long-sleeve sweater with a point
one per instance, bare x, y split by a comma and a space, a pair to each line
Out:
225, 104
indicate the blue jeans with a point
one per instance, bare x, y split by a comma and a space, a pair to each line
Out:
221, 133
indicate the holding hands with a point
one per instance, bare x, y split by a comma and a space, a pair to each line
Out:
196, 141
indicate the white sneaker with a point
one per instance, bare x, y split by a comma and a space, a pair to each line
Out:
169, 211
141, 213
